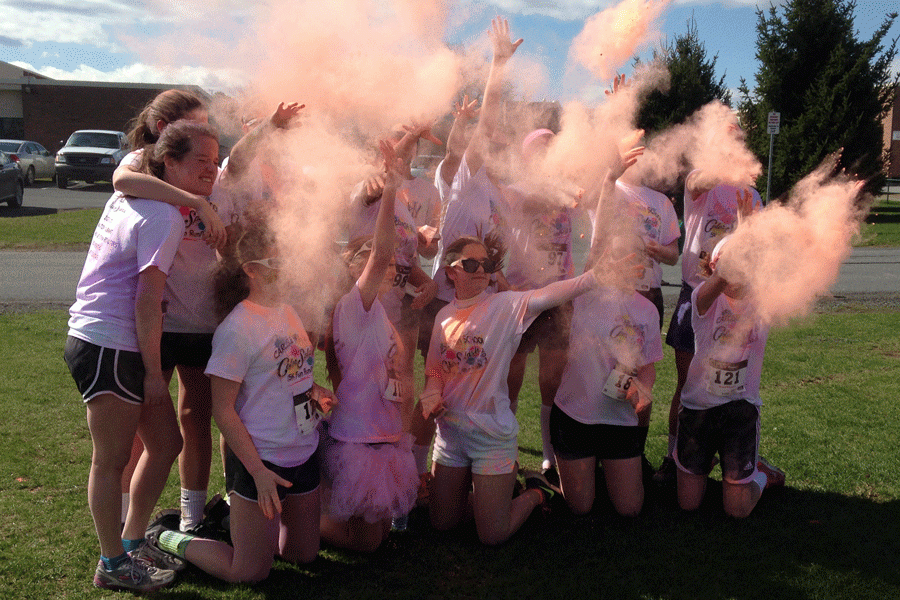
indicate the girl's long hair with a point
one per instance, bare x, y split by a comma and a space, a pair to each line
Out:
168, 107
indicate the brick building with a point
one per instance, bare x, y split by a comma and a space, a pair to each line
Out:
47, 111
892, 137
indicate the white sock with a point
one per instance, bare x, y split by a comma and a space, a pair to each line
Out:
761, 479
192, 504
549, 459
126, 500
420, 453
672, 440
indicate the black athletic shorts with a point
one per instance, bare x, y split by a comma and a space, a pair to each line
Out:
681, 331
185, 349
305, 478
655, 296
574, 440
98, 370
731, 430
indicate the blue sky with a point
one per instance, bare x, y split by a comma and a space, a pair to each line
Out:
88, 40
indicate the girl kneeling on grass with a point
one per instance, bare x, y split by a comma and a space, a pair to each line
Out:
370, 470
265, 403
720, 402
473, 341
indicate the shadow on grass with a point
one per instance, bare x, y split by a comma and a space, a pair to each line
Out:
796, 544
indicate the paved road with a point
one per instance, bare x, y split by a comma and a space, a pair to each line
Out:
45, 198
49, 278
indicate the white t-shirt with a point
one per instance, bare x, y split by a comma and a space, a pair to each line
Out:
727, 365
655, 219
472, 345
422, 199
540, 242
268, 351
369, 400
132, 235
471, 205
707, 219
613, 333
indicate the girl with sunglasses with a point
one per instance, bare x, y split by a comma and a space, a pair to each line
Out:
370, 473
473, 341
267, 406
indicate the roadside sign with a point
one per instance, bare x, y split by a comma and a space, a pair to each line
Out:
774, 123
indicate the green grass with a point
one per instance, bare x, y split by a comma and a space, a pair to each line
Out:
71, 229
882, 226
830, 420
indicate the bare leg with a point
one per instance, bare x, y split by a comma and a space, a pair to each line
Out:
682, 364
625, 484
449, 504
356, 534
298, 540
691, 489
112, 423
551, 364
497, 514
739, 499
195, 418
577, 478
255, 541
158, 429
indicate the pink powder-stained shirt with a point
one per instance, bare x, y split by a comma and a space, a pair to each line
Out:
609, 328
730, 343
367, 348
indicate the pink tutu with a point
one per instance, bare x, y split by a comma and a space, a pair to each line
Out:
372, 481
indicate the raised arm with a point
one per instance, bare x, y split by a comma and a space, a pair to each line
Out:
463, 112
246, 148
559, 292
504, 48
385, 233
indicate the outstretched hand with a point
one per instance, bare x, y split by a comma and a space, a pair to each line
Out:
282, 116
745, 205
628, 154
503, 46
618, 83
464, 109
422, 129
392, 164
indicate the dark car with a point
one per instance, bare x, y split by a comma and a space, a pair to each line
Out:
33, 159
12, 182
90, 155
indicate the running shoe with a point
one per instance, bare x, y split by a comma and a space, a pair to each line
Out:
667, 472
133, 576
774, 475
536, 481
150, 553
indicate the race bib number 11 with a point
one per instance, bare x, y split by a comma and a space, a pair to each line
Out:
306, 413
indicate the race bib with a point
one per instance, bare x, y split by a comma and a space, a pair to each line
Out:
402, 276
618, 383
726, 379
306, 413
394, 390
556, 256
646, 278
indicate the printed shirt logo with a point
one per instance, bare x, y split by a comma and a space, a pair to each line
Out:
627, 339
294, 362
733, 331
193, 226
649, 220
467, 355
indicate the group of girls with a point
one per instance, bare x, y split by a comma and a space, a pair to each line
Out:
155, 296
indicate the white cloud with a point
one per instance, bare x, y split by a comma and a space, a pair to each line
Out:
208, 79
572, 10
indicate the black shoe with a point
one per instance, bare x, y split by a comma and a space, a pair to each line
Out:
667, 472
536, 481
551, 475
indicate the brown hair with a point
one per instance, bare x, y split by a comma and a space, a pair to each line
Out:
492, 244
176, 141
230, 283
168, 107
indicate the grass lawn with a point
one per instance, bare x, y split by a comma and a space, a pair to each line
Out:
70, 229
831, 421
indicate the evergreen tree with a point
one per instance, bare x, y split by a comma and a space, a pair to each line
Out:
831, 89
693, 83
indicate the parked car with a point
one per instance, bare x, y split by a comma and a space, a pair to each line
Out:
12, 182
34, 160
90, 155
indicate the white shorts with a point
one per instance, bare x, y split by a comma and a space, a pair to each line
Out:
456, 446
